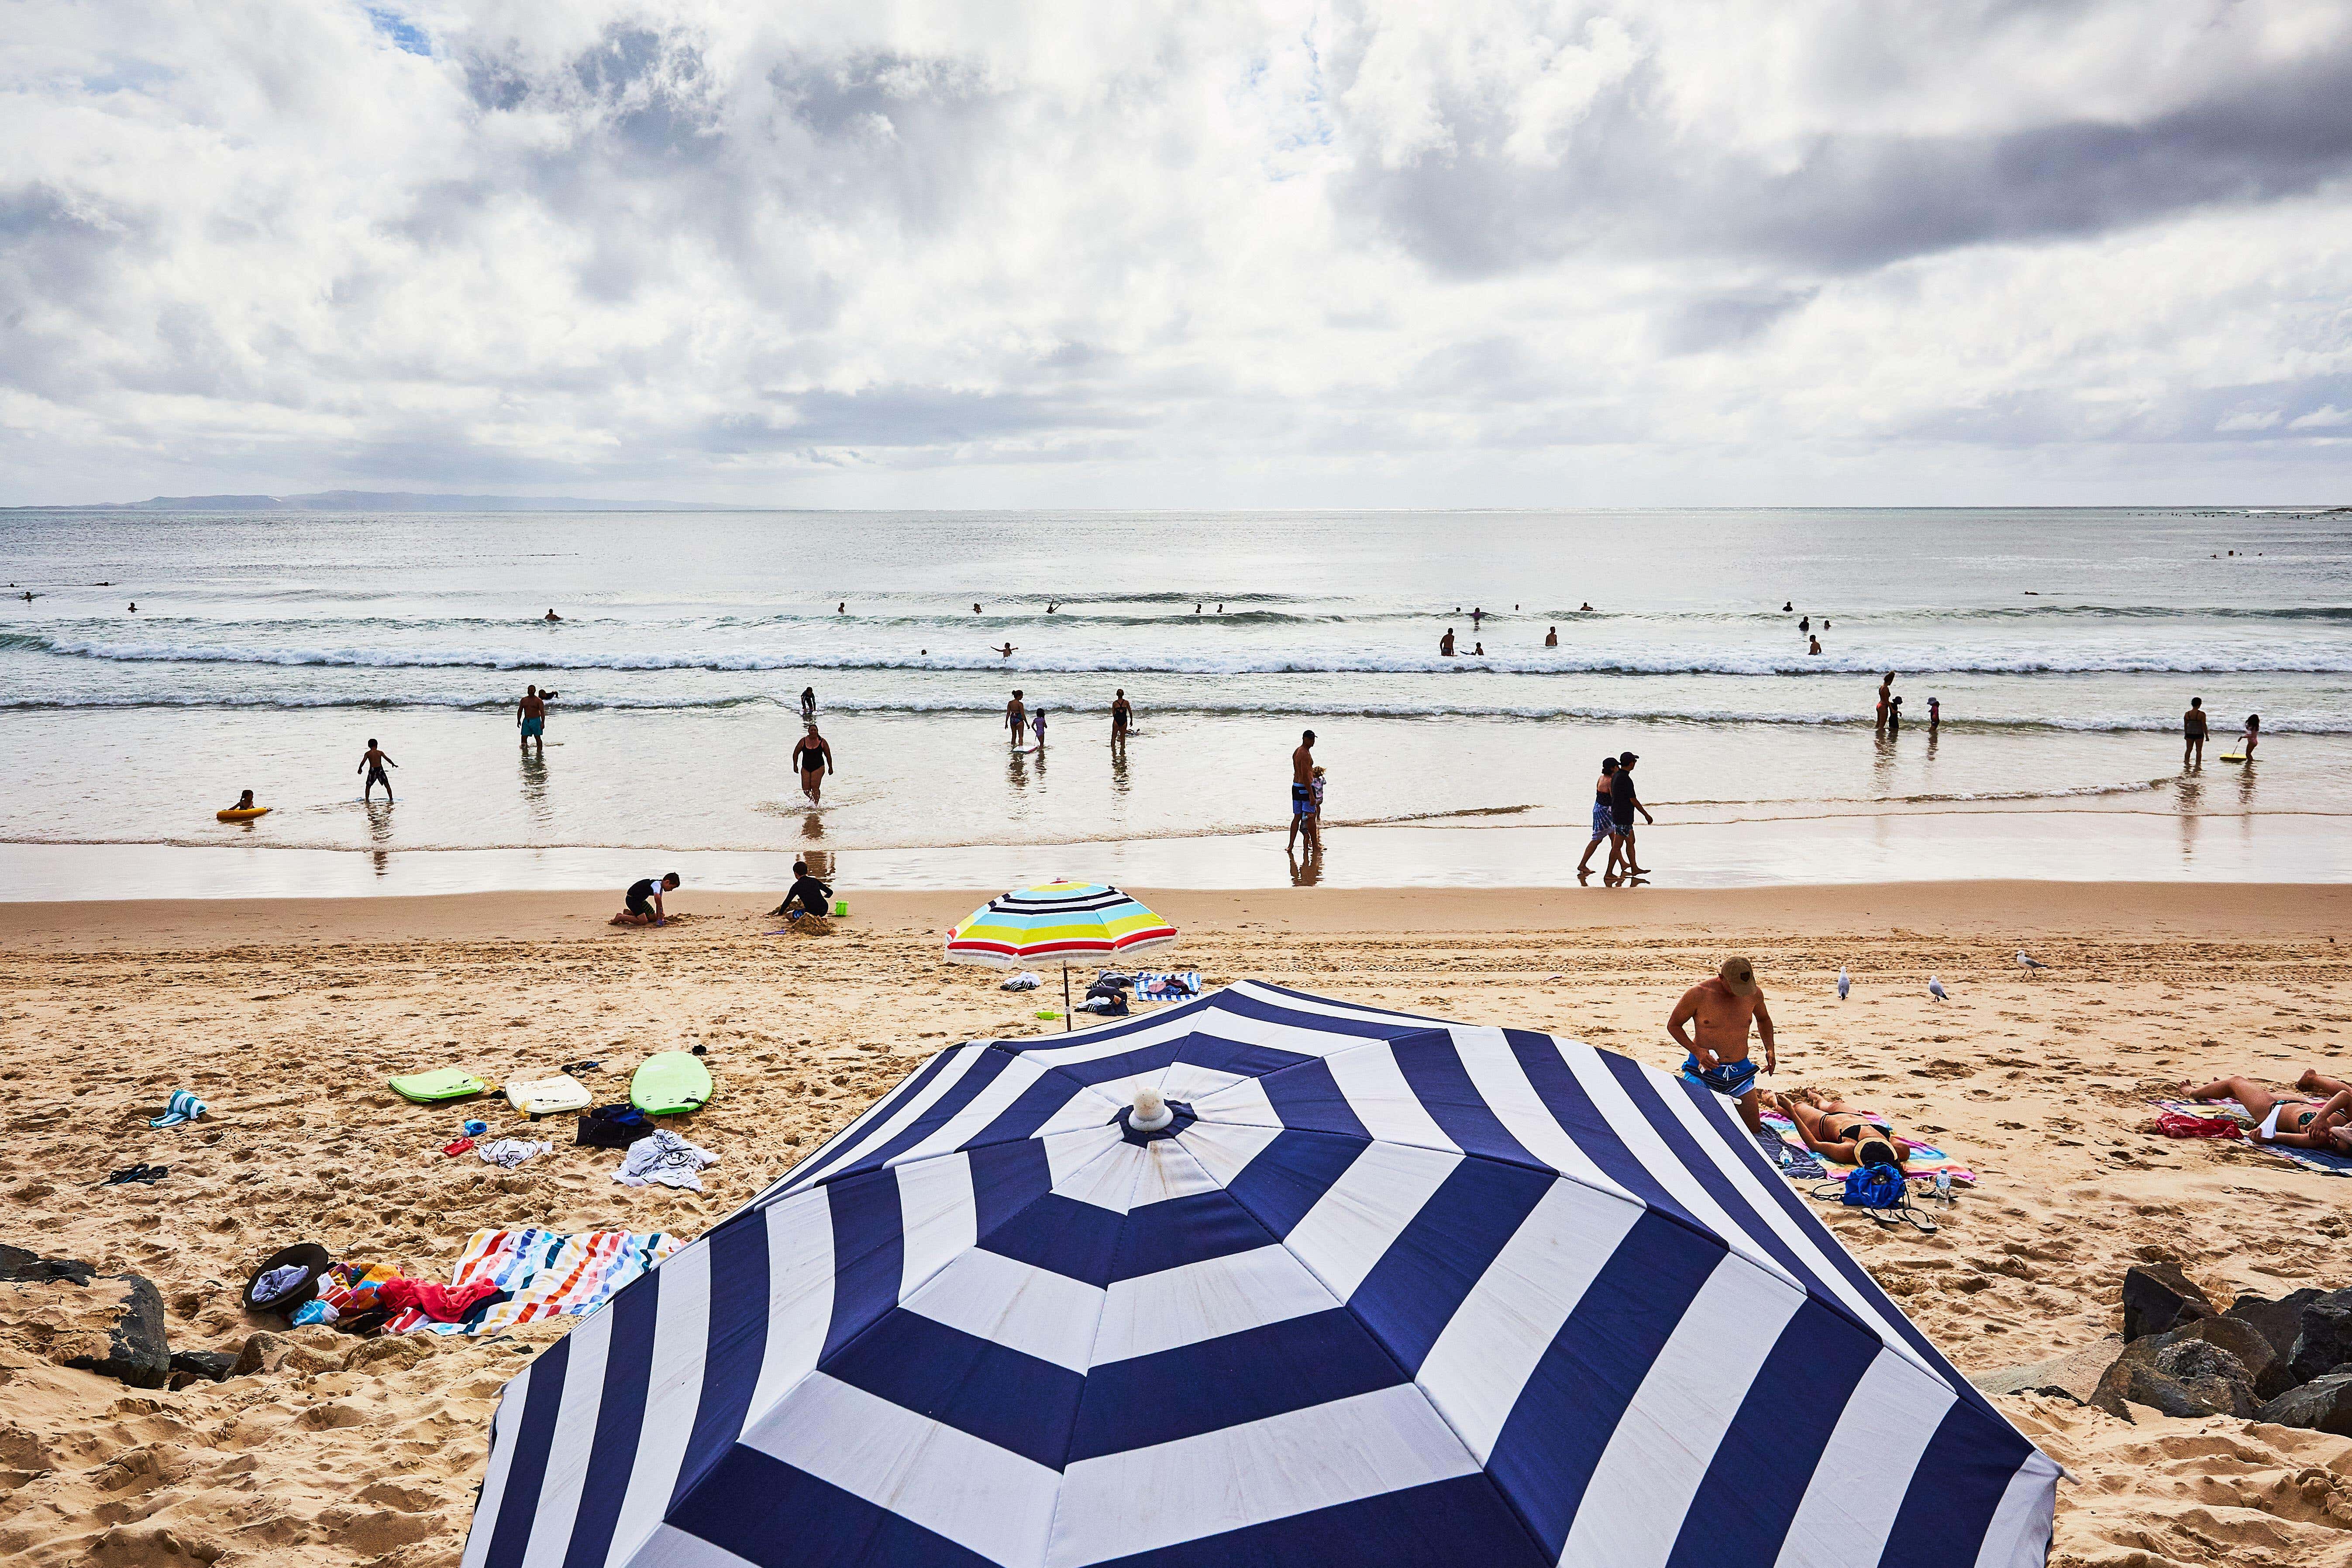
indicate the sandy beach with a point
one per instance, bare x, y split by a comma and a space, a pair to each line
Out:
286, 1017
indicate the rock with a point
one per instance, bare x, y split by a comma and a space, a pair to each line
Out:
2325, 1338
2075, 1371
2323, 1405
2209, 1373
20, 1266
67, 1314
2278, 1321
263, 1351
2239, 1337
2185, 1377
200, 1366
2156, 1297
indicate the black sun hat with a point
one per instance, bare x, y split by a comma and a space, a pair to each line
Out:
308, 1256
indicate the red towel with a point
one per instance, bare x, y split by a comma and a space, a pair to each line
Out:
443, 1303
2180, 1125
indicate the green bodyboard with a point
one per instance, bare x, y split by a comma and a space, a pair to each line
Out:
669, 1082
441, 1083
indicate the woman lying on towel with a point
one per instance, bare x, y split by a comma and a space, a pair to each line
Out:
1845, 1133
2290, 1119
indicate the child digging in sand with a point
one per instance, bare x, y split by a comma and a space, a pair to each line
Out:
644, 900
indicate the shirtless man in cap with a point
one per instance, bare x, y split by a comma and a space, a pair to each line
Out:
1720, 1011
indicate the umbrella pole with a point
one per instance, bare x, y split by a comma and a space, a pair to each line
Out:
1066, 998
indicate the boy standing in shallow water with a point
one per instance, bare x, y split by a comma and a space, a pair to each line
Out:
373, 763
1718, 1010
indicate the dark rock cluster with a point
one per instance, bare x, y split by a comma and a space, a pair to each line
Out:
111, 1324
2287, 1360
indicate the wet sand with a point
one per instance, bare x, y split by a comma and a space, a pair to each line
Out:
287, 1015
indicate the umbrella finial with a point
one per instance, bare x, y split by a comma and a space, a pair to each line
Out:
1151, 1112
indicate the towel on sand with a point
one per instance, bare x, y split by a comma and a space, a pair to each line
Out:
183, 1107
1154, 987
663, 1156
2327, 1163
549, 1273
1925, 1162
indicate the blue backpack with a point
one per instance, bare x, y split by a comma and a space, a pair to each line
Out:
1882, 1192
1875, 1187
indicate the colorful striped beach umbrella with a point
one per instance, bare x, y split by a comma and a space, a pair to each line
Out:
1059, 923
1269, 1279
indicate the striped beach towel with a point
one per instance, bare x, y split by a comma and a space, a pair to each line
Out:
1158, 988
2326, 1162
550, 1273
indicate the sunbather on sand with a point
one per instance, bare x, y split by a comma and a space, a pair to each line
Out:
1844, 1132
2289, 1118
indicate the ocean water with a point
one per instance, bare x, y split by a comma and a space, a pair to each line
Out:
267, 650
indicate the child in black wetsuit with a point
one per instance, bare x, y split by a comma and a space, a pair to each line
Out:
808, 895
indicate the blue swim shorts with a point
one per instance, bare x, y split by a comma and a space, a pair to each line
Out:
1302, 800
533, 727
1735, 1080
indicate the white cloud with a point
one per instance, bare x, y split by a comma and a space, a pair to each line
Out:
1372, 252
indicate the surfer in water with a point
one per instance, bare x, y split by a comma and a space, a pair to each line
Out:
2250, 737
1004, 652
808, 703
550, 615
373, 763
813, 758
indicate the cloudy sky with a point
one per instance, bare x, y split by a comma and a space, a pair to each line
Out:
891, 252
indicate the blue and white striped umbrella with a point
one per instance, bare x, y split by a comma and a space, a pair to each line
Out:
1379, 1291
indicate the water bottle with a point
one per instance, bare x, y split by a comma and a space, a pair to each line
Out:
1944, 1187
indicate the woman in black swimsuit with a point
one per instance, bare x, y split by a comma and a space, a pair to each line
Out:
1851, 1137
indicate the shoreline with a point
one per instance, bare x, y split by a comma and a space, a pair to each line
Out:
2055, 846
2144, 911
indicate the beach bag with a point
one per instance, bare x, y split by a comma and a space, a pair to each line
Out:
2180, 1125
1873, 1187
613, 1126
1882, 1193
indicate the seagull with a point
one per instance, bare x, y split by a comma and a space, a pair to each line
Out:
2025, 963
1844, 982
1936, 989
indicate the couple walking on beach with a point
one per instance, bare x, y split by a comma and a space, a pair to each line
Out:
1615, 805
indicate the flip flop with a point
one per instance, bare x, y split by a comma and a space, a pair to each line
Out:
129, 1174
579, 1067
458, 1147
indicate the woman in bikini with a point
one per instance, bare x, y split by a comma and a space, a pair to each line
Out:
2289, 1118
1849, 1135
